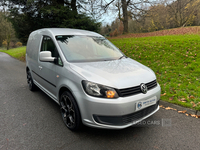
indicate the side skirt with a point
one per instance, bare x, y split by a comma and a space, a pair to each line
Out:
46, 92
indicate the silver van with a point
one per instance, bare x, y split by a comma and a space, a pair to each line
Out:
94, 83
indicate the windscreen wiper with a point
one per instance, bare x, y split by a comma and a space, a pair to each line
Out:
122, 57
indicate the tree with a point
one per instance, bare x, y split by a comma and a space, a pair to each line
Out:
183, 12
156, 18
105, 30
167, 14
30, 15
3, 4
136, 7
6, 30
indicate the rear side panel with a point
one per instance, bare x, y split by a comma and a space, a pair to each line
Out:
32, 50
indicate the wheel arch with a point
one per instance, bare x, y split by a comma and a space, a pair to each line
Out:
63, 89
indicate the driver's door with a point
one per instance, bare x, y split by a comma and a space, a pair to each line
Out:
47, 69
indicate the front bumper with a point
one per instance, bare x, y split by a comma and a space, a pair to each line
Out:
126, 119
116, 113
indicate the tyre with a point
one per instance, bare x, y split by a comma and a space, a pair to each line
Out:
70, 112
32, 86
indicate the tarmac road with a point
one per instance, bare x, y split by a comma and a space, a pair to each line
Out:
32, 121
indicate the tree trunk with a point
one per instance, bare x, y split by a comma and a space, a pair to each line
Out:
125, 15
73, 6
8, 45
8, 41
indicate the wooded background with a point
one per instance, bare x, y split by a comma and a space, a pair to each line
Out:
18, 18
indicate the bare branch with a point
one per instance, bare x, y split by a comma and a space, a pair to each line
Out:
108, 4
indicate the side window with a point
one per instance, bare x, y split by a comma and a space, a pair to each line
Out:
48, 45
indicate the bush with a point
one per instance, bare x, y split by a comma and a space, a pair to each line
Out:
111, 34
4, 43
115, 32
12, 45
18, 44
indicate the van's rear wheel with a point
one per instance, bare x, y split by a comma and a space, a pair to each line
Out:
31, 85
70, 112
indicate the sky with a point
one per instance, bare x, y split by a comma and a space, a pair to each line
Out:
108, 18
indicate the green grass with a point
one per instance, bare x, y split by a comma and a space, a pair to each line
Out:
18, 53
175, 60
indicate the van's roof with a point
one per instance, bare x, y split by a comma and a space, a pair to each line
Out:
67, 31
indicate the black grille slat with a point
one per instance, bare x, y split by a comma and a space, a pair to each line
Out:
151, 85
130, 92
136, 90
130, 89
152, 82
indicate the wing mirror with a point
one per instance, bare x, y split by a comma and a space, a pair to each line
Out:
46, 56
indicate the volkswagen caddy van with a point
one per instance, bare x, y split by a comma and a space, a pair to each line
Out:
93, 82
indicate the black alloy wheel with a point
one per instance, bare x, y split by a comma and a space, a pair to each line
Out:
70, 112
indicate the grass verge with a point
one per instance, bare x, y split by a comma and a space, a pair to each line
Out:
176, 61
174, 58
18, 53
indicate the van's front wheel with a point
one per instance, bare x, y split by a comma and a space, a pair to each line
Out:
70, 112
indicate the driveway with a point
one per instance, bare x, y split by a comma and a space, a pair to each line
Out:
32, 121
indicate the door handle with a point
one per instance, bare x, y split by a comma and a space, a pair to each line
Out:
40, 67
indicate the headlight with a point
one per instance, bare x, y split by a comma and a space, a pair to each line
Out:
98, 90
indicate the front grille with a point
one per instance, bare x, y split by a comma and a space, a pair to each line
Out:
151, 85
126, 119
136, 90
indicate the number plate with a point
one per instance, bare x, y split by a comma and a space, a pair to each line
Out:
145, 103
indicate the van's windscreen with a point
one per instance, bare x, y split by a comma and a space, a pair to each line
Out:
87, 48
